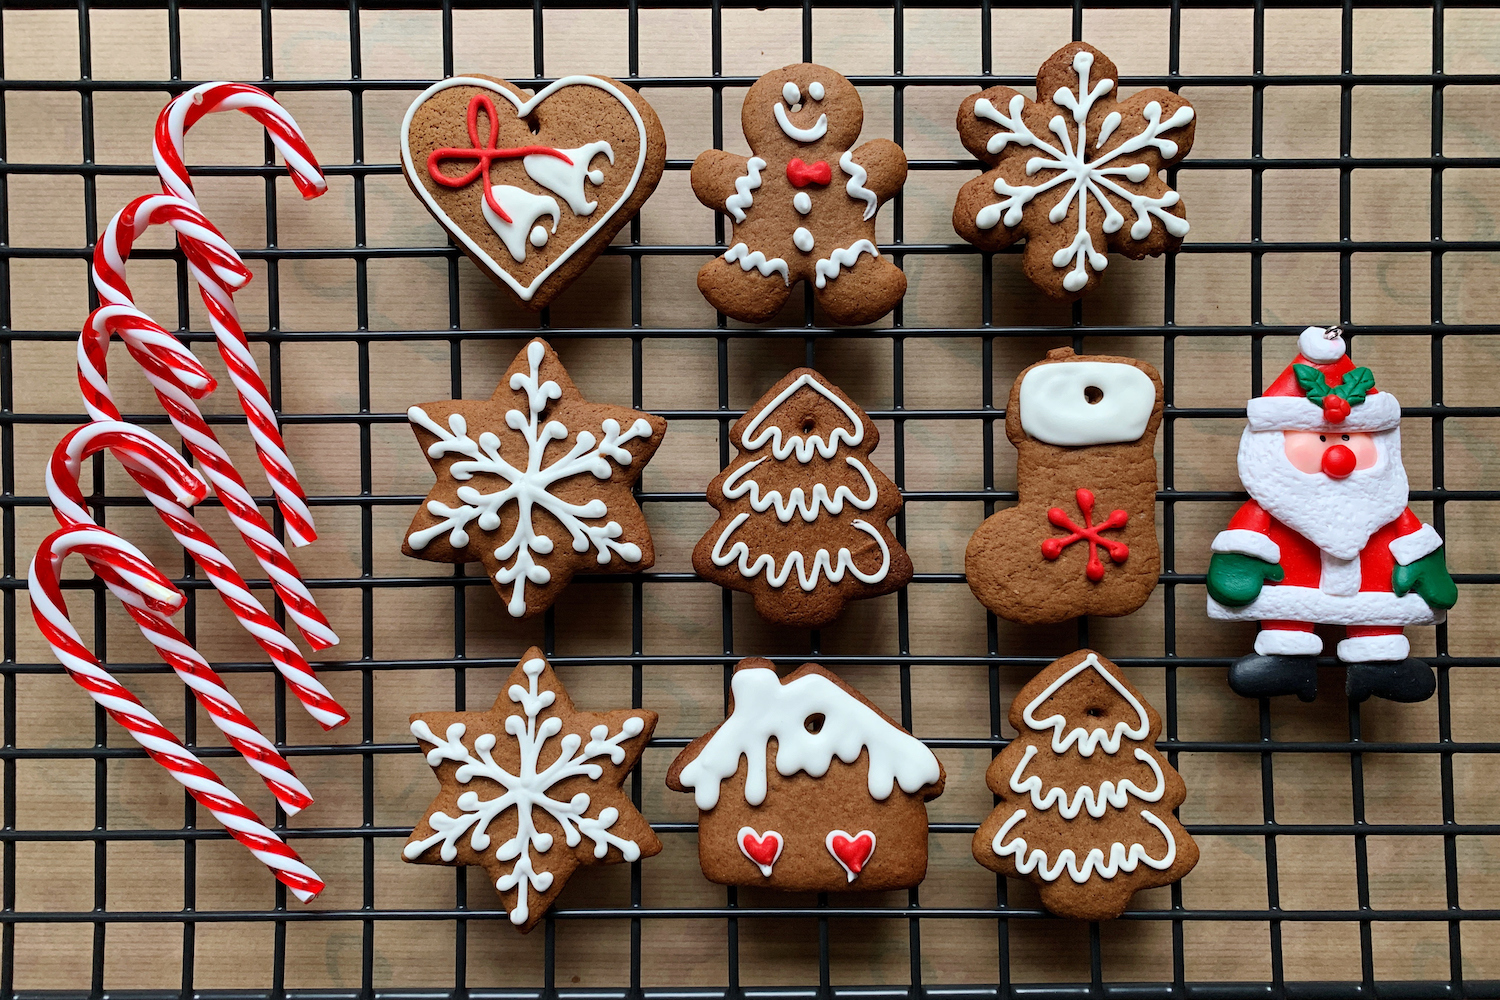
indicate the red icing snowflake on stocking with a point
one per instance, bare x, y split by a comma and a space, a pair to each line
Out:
1088, 531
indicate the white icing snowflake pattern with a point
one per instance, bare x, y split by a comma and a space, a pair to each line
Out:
525, 792
1087, 178
529, 487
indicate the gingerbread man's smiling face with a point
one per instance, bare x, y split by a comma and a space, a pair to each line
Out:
800, 110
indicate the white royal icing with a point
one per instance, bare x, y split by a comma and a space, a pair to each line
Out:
813, 134
1055, 407
1087, 740
523, 108
749, 833
823, 562
530, 487
566, 179
856, 186
736, 486
1110, 794
765, 708
745, 187
748, 259
524, 209
802, 202
1085, 178
828, 268
803, 239
790, 93
755, 438
1121, 858
526, 791
815, 90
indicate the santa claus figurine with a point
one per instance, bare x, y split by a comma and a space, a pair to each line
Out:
1326, 536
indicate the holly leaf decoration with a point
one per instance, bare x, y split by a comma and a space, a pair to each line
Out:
1311, 381
1356, 385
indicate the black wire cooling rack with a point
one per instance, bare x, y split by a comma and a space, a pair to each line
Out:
997, 917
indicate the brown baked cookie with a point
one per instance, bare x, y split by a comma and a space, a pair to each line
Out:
803, 204
1075, 172
837, 802
802, 510
534, 482
531, 789
1082, 539
1086, 799
491, 161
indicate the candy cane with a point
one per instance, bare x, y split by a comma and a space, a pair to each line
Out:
152, 456
93, 348
155, 591
171, 127
218, 272
110, 255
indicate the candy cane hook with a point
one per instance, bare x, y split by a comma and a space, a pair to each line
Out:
153, 457
136, 572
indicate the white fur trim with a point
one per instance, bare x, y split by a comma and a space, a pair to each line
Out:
1379, 412
1374, 648
1288, 642
1339, 577
1409, 548
1307, 604
1247, 543
1316, 345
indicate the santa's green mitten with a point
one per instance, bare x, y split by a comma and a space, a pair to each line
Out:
1428, 578
1234, 580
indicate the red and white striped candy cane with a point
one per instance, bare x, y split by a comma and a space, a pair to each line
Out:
171, 129
152, 456
156, 591
93, 349
110, 255
218, 272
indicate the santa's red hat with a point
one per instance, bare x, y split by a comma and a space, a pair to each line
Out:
1322, 390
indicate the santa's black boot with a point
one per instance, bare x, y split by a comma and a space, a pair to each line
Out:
1395, 680
1261, 675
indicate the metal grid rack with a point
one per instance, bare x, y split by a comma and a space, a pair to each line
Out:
463, 909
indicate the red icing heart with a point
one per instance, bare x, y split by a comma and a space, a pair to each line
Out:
802, 174
761, 848
852, 851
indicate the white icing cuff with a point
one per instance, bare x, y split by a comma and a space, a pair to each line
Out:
1379, 412
1247, 543
1288, 642
1423, 542
1374, 648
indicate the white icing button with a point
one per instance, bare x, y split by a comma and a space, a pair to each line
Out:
1073, 403
802, 203
791, 94
815, 90
539, 236
803, 239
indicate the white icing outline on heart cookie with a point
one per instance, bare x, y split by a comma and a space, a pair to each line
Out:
522, 110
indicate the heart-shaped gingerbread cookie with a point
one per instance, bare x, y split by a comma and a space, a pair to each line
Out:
532, 186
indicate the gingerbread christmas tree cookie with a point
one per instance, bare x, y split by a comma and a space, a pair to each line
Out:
807, 786
1075, 173
531, 789
534, 482
1086, 799
802, 509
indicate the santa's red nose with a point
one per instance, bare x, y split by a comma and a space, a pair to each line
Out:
1338, 461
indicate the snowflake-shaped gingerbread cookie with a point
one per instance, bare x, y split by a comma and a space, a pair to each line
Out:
1076, 173
531, 789
534, 482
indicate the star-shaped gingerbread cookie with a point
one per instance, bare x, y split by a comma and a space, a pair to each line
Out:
534, 482
1075, 173
531, 789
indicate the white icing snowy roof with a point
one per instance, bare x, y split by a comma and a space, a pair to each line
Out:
764, 707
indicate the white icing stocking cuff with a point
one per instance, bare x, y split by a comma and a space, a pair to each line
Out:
1423, 542
1374, 648
1247, 543
1289, 642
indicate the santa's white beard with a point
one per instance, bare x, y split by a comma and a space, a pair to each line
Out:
1336, 515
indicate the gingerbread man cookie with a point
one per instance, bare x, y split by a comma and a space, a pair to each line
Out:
1075, 172
803, 203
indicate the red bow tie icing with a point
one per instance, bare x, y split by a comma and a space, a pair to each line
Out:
802, 174
487, 154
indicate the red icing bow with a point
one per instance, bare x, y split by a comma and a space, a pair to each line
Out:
802, 174
485, 153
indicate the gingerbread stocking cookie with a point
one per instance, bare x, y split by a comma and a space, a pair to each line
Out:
803, 204
1075, 173
802, 510
1082, 539
1086, 799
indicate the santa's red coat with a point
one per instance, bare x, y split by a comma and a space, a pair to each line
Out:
1319, 587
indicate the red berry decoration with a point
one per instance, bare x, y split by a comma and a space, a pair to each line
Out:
1335, 408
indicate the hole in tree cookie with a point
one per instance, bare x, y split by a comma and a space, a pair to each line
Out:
808, 423
1093, 393
1094, 713
814, 723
